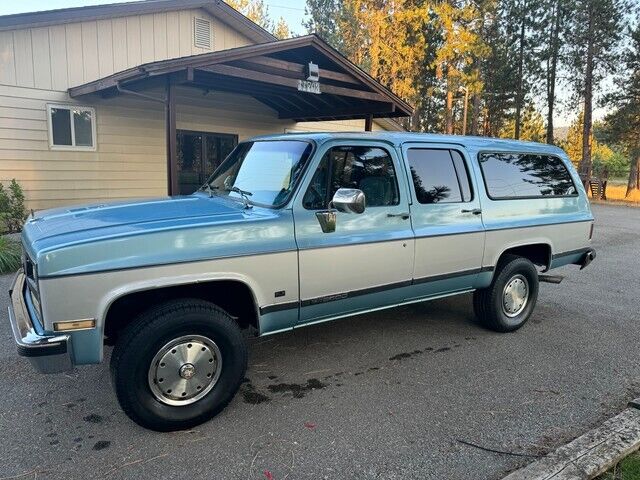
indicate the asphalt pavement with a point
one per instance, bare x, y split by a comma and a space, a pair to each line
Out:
414, 392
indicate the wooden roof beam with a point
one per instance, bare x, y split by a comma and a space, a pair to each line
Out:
381, 109
243, 73
298, 68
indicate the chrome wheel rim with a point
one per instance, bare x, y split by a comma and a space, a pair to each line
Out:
515, 296
185, 370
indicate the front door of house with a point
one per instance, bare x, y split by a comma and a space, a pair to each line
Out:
199, 154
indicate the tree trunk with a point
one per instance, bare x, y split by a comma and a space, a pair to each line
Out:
552, 70
519, 96
475, 114
449, 111
634, 176
585, 163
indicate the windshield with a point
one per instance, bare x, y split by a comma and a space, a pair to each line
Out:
261, 172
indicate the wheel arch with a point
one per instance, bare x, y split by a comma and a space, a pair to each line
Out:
538, 252
234, 295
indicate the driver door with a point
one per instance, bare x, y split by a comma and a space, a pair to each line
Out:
367, 262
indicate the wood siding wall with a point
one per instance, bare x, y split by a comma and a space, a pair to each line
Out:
63, 56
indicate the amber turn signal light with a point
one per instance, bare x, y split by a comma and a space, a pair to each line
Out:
74, 325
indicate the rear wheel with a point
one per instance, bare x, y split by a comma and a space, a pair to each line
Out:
508, 302
178, 365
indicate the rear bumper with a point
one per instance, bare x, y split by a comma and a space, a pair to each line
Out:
47, 353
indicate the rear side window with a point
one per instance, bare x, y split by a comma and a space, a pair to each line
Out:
439, 175
525, 175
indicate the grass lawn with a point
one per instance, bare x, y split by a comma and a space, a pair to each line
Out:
617, 192
627, 469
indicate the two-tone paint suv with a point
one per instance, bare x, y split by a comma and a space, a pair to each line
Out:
289, 231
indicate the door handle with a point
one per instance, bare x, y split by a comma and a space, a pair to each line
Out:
475, 211
403, 215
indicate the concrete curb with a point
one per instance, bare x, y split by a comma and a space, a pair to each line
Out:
591, 454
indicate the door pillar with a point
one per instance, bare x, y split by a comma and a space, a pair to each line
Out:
172, 140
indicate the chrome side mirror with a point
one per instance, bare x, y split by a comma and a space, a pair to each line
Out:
349, 200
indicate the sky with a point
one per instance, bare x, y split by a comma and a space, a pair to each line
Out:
291, 10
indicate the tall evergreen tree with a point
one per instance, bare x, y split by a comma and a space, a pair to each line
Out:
624, 122
323, 19
552, 38
595, 33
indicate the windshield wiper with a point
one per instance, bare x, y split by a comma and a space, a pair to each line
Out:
245, 194
207, 187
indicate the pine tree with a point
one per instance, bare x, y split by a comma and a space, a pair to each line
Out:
281, 30
552, 38
623, 124
595, 33
324, 17
532, 126
254, 10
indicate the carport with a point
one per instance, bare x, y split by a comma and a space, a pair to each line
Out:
302, 79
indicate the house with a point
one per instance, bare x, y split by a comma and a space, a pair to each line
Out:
146, 98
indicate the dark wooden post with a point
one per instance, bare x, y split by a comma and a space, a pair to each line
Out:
172, 147
368, 123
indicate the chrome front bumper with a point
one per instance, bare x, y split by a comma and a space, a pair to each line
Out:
47, 353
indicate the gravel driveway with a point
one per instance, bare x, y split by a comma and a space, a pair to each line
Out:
394, 394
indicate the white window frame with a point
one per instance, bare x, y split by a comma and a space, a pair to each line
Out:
73, 146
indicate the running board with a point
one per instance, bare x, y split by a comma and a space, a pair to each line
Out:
550, 278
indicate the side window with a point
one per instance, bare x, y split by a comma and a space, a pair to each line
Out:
525, 175
369, 169
439, 175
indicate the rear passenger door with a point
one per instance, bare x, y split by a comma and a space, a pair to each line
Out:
446, 217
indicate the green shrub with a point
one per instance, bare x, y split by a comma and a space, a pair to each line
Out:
9, 255
12, 211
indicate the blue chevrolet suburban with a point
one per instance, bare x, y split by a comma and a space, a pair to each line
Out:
291, 230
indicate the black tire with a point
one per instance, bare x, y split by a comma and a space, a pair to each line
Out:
488, 302
145, 337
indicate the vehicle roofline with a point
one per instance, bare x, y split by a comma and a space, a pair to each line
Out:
399, 138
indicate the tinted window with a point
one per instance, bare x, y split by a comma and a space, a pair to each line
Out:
463, 175
518, 175
369, 169
439, 176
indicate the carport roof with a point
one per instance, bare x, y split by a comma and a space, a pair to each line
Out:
270, 72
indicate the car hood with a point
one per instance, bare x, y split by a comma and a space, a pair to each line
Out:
128, 234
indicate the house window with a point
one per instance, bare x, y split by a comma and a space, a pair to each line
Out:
202, 33
71, 127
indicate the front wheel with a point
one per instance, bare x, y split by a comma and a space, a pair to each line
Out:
178, 365
508, 302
